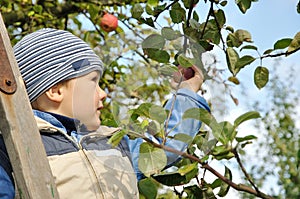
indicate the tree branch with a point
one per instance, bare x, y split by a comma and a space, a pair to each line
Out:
281, 54
188, 24
238, 187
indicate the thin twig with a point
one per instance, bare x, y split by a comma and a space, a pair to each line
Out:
206, 21
166, 8
130, 28
234, 151
218, 26
96, 28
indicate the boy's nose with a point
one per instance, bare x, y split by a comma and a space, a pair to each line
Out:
102, 94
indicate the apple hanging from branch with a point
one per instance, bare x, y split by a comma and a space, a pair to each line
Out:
108, 22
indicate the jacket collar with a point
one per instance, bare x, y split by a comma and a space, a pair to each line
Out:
50, 123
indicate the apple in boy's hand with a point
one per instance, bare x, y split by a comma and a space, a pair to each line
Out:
109, 22
187, 73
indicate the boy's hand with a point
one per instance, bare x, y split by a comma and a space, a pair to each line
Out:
193, 82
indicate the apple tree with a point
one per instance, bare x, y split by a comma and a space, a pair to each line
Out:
141, 51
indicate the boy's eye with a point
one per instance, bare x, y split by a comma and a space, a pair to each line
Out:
95, 79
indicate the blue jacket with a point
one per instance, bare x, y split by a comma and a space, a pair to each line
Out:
185, 100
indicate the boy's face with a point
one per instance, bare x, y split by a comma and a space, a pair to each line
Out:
83, 99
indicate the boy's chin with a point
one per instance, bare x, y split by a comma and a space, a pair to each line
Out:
93, 127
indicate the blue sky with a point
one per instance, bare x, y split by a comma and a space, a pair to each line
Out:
267, 21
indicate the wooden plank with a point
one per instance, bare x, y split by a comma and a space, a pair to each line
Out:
21, 136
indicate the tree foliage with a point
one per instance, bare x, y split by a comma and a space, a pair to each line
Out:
141, 55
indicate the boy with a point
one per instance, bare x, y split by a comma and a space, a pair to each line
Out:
61, 74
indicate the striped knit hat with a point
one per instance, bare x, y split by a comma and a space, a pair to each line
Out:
49, 56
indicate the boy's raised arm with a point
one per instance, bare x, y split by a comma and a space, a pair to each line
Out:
186, 98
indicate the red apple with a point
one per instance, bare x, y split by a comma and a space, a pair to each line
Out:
109, 22
187, 73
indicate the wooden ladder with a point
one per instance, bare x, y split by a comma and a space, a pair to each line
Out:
31, 168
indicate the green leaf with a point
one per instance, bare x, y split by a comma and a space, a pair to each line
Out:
148, 188
223, 3
224, 188
152, 2
187, 3
199, 114
282, 43
150, 111
116, 138
167, 69
230, 28
228, 132
248, 47
244, 5
268, 51
194, 24
220, 17
194, 192
177, 13
30, 13
137, 11
246, 116
160, 56
295, 43
234, 80
261, 76
246, 138
176, 178
151, 159
149, 21
184, 61
204, 116
232, 57
243, 35
159, 9
142, 110
187, 168
216, 183
157, 113
195, 16
222, 152
154, 41
242, 62
149, 10
170, 34
183, 137
208, 193
232, 41
38, 8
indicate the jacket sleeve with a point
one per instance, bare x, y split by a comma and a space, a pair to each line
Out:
185, 99
7, 190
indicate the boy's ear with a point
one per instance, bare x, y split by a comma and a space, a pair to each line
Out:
55, 93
